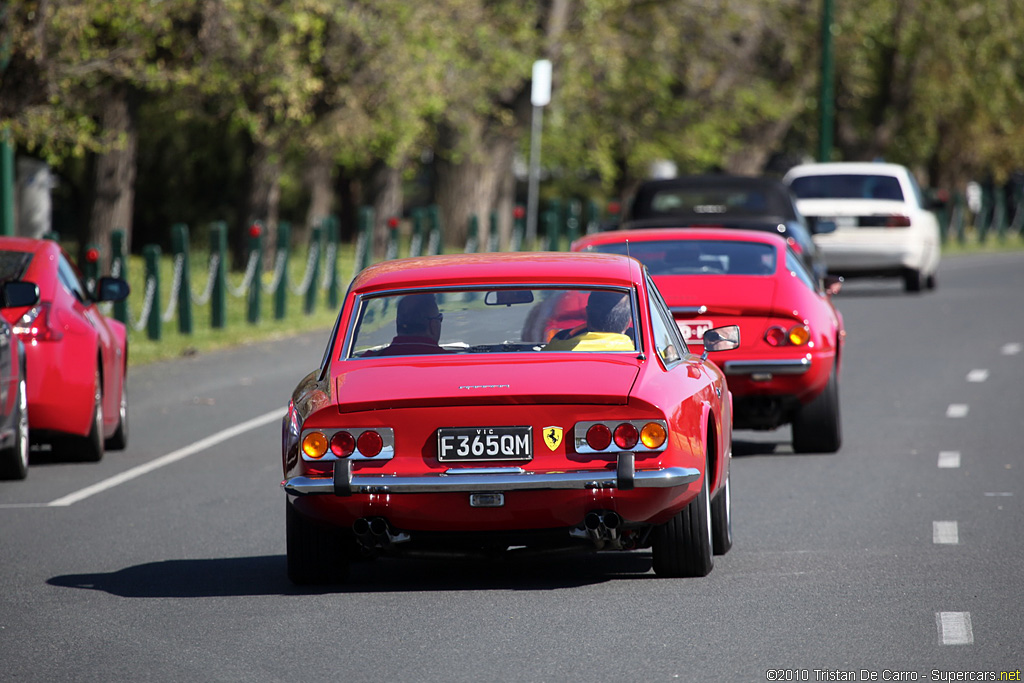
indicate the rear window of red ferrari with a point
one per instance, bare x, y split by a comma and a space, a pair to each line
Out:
697, 257
13, 264
522, 320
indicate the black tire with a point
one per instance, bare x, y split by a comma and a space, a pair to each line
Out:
92, 445
316, 553
913, 280
721, 519
14, 460
118, 441
930, 282
818, 427
682, 545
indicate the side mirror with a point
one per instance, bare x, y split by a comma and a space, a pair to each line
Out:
111, 289
724, 338
18, 293
833, 283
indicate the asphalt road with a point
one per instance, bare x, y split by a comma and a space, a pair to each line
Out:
901, 555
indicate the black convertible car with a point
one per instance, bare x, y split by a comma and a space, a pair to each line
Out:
729, 201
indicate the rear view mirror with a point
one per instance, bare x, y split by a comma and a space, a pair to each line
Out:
723, 338
18, 293
111, 289
823, 227
507, 297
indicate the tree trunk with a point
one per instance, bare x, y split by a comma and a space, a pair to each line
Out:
474, 185
114, 174
319, 168
261, 204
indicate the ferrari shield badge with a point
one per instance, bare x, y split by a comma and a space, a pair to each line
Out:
553, 437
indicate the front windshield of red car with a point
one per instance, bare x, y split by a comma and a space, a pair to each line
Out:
505, 320
697, 257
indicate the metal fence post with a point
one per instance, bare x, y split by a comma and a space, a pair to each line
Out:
416, 241
91, 267
593, 217
218, 295
119, 268
180, 249
434, 245
284, 240
333, 240
551, 230
315, 242
391, 250
255, 294
151, 253
574, 211
472, 234
518, 228
493, 238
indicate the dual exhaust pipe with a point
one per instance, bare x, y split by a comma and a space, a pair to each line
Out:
602, 527
374, 532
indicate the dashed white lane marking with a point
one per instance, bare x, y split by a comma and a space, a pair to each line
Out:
949, 459
1011, 349
954, 628
945, 533
977, 375
957, 410
998, 494
177, 455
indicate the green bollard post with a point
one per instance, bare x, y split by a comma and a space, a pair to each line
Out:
284, 241
518, 228
961, 214
416, 240
315, 244
151, 253
218, 261
434, 245
91, 267
255, 293
493, 238
551, 235
573, 214
180, 249
333, 243
366, 218
472, 235
593, 217
999, 214
119, 268
391, 250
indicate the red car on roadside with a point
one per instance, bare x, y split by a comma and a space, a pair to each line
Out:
786, 370
76, 357
441, 418
14, 438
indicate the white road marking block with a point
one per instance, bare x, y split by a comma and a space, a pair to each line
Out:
977, 375
957, 410
1011, 349
945, 533
954, 628
949, 459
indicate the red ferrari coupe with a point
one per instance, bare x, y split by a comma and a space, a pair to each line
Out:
443, 418
787, 368
75, 356
13, 387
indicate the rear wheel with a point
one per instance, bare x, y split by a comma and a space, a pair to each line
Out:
14, 460
316, 553
817, 427
682, 545
92, 445
118, 441
721, 519
912, 280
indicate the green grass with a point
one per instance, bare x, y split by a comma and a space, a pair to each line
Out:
973, 244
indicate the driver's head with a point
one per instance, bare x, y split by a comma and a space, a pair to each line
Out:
418, 316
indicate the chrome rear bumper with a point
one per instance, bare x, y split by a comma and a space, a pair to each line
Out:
345, 483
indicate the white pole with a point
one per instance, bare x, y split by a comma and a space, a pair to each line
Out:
540, 95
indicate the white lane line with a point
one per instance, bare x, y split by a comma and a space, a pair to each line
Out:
1011, 349
977, 375
998, 494
945, 533
949, 459
957, 410
177, 455
954, 628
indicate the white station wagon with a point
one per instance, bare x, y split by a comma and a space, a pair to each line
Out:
884, 227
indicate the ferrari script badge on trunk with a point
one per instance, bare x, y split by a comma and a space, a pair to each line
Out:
553, 437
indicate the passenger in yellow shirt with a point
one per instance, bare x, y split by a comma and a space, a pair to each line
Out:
609, 317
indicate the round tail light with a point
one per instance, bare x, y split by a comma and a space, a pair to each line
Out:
343, 444
799, 335
314, 445
626, 435
370, 443
775, 336
599, 437
653, 435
